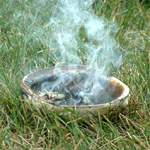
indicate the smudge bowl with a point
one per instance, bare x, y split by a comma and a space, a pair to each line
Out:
32, 83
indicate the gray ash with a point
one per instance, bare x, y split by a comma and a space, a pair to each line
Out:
77, 88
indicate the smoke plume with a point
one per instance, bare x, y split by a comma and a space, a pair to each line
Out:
79, 37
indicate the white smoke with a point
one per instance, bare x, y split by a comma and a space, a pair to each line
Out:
69, 20
80, 37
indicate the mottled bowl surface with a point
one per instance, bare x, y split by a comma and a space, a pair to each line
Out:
117, 89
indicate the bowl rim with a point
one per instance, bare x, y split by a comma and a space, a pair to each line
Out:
122, 97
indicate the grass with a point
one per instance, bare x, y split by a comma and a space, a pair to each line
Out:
24, 48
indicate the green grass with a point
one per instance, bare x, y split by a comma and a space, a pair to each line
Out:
24, 48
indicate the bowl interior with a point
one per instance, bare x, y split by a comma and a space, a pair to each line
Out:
33, 82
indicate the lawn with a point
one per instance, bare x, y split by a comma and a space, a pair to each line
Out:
24, 48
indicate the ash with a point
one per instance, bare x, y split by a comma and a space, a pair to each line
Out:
75, 89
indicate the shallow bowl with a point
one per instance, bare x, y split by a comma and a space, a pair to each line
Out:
115, 87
